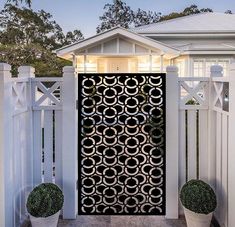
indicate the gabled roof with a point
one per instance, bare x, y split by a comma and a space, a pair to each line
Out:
197, 23
112, 33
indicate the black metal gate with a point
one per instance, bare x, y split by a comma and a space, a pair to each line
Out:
121, 144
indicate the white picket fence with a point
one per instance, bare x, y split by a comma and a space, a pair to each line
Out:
38, 138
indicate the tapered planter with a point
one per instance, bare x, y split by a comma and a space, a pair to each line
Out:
199, 202
44, 205
50, 221
197, 220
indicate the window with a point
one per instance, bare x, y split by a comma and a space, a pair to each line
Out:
201, 67
181, 66
198, 67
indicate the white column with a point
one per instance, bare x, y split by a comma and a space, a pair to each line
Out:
6, 155
150, 63
70, 138
85, 63
231, 148
172, 124
75, 61
161, 63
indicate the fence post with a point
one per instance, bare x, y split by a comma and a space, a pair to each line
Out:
231, 148
215, 71
6, 135
28, 72
70, 138
172, 121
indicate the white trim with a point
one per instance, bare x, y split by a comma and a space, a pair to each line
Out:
208, 52
114, 33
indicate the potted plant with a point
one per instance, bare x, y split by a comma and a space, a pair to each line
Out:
44, 205
199, 202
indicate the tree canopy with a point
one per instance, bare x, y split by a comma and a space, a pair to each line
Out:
28, 37
120, 14
28, 2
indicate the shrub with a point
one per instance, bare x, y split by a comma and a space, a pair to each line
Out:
45, 200
198, 197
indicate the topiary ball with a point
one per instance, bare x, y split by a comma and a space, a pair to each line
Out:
45, 200
198, 197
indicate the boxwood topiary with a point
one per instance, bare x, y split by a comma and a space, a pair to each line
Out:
45, 200
198, 197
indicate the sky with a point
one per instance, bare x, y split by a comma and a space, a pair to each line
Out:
84, 14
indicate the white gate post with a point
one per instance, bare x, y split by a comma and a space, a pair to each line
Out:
28, 72
215, 71
231, 148
6, 136
70, 140
172, 121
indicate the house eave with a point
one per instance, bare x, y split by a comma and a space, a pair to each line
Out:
188, 34
209, 52
105, 36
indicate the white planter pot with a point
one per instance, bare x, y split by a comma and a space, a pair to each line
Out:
197, 220
50, 221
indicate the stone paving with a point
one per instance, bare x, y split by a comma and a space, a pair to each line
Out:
122, 221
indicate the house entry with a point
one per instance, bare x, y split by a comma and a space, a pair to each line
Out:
121, 144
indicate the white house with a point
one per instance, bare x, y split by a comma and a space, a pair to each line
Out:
193, 43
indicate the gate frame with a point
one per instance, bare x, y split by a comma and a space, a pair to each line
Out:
70, 142
172, 143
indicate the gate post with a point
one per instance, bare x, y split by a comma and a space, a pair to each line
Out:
231, 148
69, 141
6, 154
172, 96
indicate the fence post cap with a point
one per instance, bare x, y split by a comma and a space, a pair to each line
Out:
5, 67
216, 68
26, 71
172, 69
69, 69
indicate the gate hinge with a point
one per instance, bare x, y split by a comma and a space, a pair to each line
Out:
76, 104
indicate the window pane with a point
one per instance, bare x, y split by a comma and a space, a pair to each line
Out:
198, 68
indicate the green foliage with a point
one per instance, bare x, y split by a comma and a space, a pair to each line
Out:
116, 14
198, 197
28, 38
193, 9
192, 102
27, 2
120, 14
142, 17
45, 200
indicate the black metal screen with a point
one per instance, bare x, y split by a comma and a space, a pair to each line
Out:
121, 144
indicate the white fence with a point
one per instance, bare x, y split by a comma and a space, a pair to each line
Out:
38, 138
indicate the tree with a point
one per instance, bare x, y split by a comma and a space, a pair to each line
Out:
28, 37
22, 26
193, 9
116, 14
73, 37
142, 17
28, 2
120, 14
228, 12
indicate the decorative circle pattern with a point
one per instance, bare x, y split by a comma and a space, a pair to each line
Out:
122, 144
